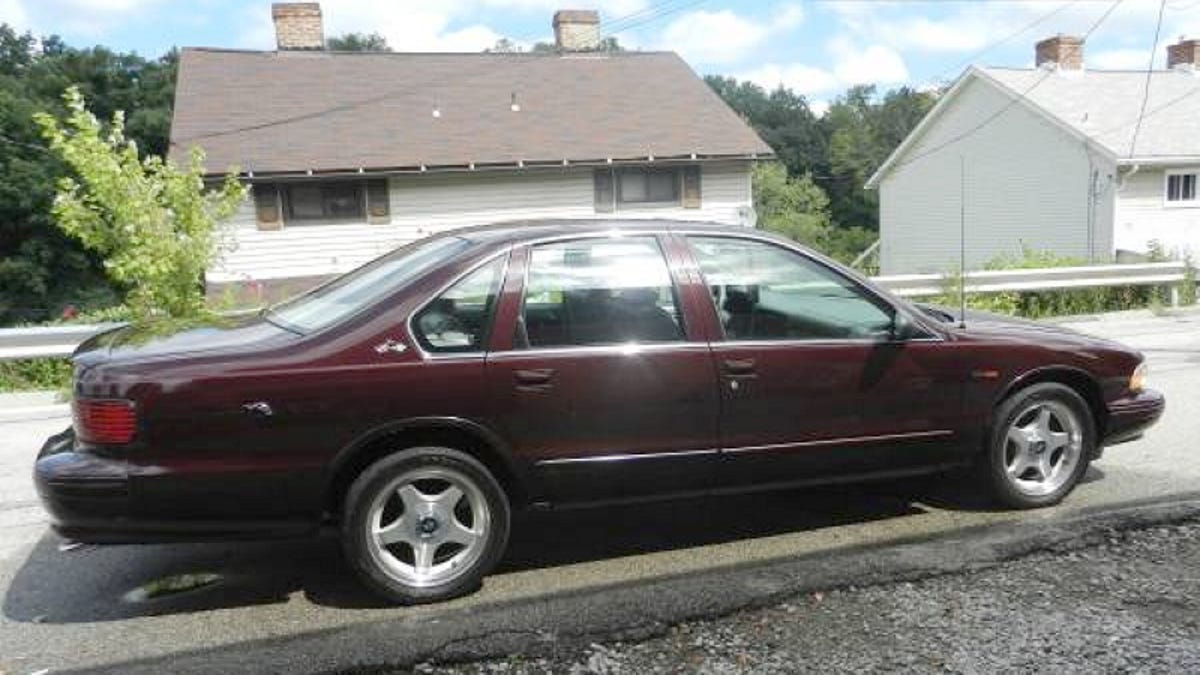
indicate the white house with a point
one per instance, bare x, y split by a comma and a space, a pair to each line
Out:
1053, 158
353, 154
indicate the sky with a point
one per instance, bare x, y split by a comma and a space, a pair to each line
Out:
816, 47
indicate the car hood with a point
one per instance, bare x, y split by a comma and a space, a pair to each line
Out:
164, 339
1000, 326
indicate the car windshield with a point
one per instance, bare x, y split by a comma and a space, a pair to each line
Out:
333, 302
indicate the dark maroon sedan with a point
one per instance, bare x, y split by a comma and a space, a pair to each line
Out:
419, 399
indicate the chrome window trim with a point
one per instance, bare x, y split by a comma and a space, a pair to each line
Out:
622, 349
506, 252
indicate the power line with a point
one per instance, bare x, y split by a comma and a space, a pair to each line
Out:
1028, 27
1162, 6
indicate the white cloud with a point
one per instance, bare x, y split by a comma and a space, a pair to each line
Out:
799, 77
13, 14
723, 36
876, 64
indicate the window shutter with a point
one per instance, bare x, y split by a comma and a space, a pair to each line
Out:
266, 207
691, 187
605, 198
379, 206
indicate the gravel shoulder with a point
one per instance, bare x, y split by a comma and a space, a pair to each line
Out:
1128, 603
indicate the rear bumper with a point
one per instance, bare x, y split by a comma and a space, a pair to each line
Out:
1128, 418
90, 499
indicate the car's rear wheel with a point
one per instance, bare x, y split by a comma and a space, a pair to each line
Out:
425, 524
1041, 440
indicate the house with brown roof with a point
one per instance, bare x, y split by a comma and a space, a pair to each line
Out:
353, 154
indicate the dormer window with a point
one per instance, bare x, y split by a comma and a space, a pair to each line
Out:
1181, 188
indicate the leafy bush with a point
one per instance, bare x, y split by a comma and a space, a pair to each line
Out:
797, 208
155, 224
31, 374
1038, 304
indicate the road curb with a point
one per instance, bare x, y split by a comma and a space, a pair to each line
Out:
637, 610
35, 412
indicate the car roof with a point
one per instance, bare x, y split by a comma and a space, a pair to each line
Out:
521, 231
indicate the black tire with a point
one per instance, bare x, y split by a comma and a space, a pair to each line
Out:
994, 467
359, 546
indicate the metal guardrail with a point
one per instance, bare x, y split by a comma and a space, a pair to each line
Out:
44, 341
1049, 279
60, 341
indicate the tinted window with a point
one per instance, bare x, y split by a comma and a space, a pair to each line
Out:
598, 291
459, 318
766, 292
324, 201
329, 303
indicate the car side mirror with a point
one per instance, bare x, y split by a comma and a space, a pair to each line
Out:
903, 328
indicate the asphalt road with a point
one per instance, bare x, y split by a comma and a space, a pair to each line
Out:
81, 607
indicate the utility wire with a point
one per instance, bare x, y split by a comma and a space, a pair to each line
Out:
1028, 27
1162, 6
1020, 97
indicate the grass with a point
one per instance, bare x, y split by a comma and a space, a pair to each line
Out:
35, 374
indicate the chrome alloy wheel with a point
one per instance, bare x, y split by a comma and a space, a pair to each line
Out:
428, 526
1043, 445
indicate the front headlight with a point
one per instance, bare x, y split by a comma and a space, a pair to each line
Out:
1137, 381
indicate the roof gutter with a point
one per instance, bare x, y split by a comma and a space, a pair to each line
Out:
1159, 160
480, 167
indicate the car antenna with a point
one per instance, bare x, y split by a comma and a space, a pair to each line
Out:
962, 241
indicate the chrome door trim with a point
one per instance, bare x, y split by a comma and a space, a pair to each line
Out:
626, 456
910, 435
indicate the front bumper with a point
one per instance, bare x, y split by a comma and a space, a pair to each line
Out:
1129, 417
92, 499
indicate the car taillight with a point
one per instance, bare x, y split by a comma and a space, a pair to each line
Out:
105, 421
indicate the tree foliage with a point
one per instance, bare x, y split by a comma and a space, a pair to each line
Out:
154, 224
797, 208
42, 270
358, 42
507, 46
838, 150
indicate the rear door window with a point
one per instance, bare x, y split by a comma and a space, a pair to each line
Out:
598, 292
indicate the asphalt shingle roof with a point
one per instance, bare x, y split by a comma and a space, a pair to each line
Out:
297, 111
1104, 106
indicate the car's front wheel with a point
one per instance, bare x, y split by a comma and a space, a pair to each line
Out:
425, 524
1042, 438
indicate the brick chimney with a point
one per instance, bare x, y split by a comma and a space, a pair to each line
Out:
1184, 54
1062, 52
298, 25
576, 30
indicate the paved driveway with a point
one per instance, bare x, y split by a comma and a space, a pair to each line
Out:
63, 609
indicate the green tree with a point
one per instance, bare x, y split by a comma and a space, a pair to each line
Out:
358, 42
42, 270
155, 224
782, 119
863, 130
507, 46
795, 207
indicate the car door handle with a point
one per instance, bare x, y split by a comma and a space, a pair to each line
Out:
739, 367
534, 380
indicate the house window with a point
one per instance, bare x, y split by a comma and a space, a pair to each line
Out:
305, 203
638, 186
1181, 188
647, 186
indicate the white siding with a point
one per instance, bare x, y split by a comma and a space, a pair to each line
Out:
426, 204
1142, 215
1027, 181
